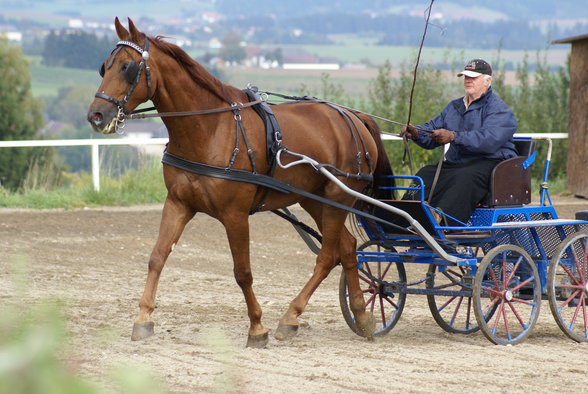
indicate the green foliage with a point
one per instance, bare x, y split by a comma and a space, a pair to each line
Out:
541, 106
328, 91
539, 102
20, 113
390, 98
71, 105
76, 49
34, 351
136, 186
31, 338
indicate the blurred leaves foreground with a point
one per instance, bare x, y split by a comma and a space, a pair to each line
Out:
34, 351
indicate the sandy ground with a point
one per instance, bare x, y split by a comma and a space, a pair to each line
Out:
95, 260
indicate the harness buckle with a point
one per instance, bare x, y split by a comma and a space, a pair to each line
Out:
237, 111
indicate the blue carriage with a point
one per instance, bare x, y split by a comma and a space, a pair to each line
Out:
489, 274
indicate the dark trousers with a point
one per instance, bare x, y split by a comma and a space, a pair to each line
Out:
460, 187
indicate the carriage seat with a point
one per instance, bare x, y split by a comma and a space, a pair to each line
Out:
510, 182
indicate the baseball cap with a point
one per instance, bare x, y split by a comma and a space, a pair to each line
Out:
475, 68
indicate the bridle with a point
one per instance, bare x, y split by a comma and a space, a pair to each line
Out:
131, 73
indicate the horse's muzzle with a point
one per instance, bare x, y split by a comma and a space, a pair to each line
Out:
103, 122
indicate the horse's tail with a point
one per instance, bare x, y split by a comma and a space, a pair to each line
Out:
380, 186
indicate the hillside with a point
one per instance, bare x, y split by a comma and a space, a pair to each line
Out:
485, 10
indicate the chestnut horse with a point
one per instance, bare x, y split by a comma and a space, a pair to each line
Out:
143, 68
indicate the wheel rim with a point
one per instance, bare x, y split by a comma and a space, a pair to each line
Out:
568, 286
453, 313
381, 299
507, 280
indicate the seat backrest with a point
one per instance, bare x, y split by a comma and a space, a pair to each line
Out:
510, 183
525, 147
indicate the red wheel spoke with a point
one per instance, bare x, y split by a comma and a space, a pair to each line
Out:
494, 279
456, 309
576, 311
513, 271
382, 311
583, 301
514, 311
497, 320
570, 274
521, 301
506, 326
389, 300
371, 301
383, 274
493, 291
447, 303
367, 280
522, 284
570, 298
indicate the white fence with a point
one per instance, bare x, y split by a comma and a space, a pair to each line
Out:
95, 146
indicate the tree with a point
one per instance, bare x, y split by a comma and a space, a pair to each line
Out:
76, 49
21, 114
232, 51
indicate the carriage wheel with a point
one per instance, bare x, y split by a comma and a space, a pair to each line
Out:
567, 285
453, 313
381, 299
508, 280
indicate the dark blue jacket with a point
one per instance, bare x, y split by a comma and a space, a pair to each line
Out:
484, 130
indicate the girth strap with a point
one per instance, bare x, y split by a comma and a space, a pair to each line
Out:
261, 180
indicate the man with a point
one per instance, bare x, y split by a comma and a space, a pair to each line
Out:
479, 128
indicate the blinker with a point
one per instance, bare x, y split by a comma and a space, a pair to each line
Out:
130, 71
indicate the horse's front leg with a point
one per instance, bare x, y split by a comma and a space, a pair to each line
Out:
173, 221
237, 229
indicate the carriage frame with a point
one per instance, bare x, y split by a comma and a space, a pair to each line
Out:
489, 274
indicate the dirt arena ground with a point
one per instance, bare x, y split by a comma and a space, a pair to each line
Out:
96, 261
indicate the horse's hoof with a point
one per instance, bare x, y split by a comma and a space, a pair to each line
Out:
368, 327
285, 332
257, 341
142, 330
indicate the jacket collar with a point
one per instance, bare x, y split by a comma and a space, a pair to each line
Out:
479, 101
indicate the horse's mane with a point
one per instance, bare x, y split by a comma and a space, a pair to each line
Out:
197, 72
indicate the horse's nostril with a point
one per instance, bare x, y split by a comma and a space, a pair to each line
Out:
95, 117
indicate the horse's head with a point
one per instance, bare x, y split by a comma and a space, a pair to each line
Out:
127, 80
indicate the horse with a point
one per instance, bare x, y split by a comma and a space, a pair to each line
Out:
208, 124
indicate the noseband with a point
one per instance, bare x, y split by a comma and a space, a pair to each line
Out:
131, 73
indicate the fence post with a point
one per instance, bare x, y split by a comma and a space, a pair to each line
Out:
96, 166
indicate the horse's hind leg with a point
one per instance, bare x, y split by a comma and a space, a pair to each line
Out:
173, 221
338, 245
365, 322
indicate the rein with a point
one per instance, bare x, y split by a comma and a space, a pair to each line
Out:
237, 106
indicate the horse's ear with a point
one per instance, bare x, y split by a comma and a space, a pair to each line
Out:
135, 33
122, 33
